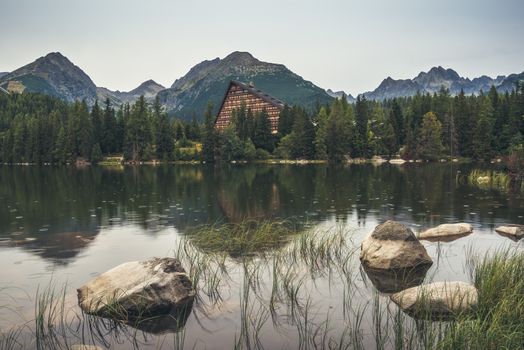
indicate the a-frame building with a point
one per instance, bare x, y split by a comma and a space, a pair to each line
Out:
254, 99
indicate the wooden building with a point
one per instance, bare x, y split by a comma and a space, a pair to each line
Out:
256, 100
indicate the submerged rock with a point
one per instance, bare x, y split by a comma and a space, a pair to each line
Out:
439, 300
515, 232
393, 246
395, 280
446, 232
139, 288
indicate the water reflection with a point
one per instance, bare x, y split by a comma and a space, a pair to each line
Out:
56, 213
396, 280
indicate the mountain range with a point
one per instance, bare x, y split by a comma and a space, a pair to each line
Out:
438, 77
54, 74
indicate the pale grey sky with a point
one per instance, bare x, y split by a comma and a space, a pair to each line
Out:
342, 45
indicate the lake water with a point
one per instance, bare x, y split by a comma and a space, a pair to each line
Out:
63, 226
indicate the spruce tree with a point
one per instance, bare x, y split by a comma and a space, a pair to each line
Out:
209, 137
429, 138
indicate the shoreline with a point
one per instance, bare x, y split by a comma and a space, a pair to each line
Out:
374, 160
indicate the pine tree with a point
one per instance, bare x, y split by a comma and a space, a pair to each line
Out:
209, 137
164, 135
96, 154
483, 131
109, 133
321, 135
396, 118
285, 121
138, 136
430, 144
360, 146
262, 137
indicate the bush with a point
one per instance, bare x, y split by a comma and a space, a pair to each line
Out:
262, 154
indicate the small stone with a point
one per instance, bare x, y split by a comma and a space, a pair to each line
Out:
512, 231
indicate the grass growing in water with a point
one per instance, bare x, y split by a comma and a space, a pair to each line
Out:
281, 293
244, 238
489, 179
498, 322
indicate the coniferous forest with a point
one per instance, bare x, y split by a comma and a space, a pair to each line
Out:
41, 129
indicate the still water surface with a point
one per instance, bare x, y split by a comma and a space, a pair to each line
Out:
65, 225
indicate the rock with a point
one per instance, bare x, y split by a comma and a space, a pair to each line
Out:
85, 347
378, 160
439, 300
395, 280
153, 287
515, 232
446, 232
393, 246
481, 180
397, 161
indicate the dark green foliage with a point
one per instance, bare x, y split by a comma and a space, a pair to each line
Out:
41, 129
262, 137
96, 154
163, 134
360, 147
210, 136
285, 121
429, 138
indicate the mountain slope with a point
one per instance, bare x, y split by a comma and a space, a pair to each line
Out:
208, 81
3, 74
54, 75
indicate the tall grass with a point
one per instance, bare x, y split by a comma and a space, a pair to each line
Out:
278, 287
489, 179
498, 322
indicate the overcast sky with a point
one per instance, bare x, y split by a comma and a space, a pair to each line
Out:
342, 45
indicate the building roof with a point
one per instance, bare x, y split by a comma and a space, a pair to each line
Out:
250, 88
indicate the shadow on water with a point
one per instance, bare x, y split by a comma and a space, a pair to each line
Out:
395, 280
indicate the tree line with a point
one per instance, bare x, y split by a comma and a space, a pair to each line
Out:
37, 128
41, 129
425, 126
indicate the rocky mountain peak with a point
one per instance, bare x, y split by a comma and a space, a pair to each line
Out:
240, 57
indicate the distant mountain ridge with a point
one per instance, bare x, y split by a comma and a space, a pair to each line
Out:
340, 94
438, 77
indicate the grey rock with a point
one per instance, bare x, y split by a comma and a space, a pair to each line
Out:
437, 300
153, 287
446, 231
511, 231
393, 246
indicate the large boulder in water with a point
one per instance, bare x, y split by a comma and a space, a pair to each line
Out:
138, 288
515, 232
393, 246
446, 232
438, 300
